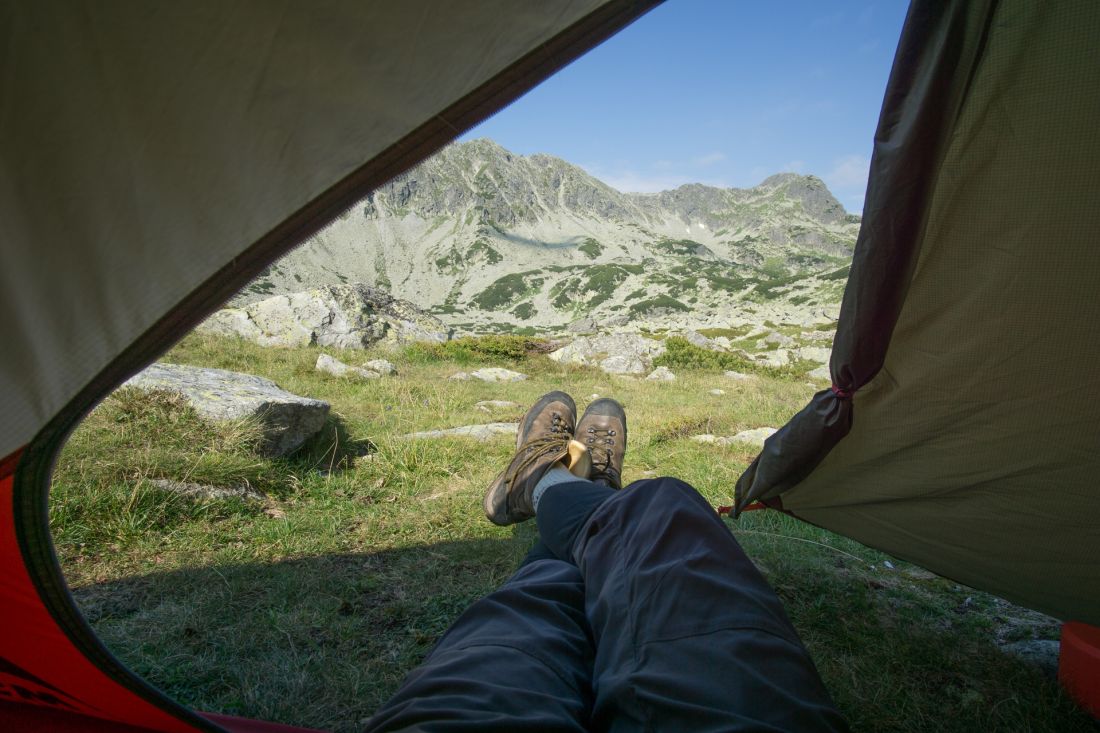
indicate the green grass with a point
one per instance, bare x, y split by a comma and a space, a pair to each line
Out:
309, 607
660, 303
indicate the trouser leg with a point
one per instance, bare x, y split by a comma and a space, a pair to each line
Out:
518, 659
688, 634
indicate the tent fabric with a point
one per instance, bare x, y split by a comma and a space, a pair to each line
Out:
146, 145
973, 450
154, 157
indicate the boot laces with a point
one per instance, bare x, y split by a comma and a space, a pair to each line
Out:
601, 442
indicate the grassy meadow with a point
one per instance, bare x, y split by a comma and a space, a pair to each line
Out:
308, 607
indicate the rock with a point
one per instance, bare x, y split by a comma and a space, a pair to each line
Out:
755, 437
774, 338
623, 364
479, 432
822, 373
1043, 653
286, 419
335, 367
661, 374
497, 374
340, 316
777, 358
738, 376
593, 396
717, 392
619, 353
815, 353
203, 491
490, 405
460, 377
382, 366
697, 339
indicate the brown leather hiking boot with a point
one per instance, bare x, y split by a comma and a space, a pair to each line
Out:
545, 438
602, 430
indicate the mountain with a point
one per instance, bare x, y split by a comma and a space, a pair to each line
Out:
487, 239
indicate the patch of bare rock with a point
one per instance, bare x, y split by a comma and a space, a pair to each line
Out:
341, 316
479, 432
754, 437
286, 420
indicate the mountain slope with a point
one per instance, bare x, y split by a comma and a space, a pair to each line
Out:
485, 238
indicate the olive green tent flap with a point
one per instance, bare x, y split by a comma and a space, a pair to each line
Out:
975, 451
145, 145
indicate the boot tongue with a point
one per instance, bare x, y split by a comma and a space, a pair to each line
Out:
578, 460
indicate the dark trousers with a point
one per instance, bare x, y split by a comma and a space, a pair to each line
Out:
637, 610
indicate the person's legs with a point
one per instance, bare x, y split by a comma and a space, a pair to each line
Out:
518, 659
688, 634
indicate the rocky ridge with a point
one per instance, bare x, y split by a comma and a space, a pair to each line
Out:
488, 240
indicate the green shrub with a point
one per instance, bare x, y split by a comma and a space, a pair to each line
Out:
681, 354
661, 302
468, 349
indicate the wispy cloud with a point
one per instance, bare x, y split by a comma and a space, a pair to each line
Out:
849, 171
709, 159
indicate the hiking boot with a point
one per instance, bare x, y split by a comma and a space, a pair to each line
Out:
602, 430
545, 438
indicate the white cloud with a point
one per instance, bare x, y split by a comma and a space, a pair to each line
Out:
848, 172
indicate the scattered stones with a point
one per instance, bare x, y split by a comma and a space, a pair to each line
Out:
382, 366
623, 364
815, 353
593, 396
620, 353
341, 316
754, 437
286, 420
822, 373
460, 377
497, 374
717, 392
337, 368
661, 374
774, 338
777, 358
738, 376
478, 432
204, 491
490, 405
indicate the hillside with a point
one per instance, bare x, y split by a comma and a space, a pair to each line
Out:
489, 240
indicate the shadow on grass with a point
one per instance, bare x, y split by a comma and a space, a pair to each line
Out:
323, 641
332, 448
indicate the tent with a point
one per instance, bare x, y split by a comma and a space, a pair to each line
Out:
156, 156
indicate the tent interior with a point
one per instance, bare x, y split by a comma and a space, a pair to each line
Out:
960, 432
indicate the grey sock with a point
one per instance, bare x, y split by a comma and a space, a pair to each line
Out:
559, 474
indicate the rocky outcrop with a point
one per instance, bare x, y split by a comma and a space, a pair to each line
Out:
340, 316
754, 437
479, 432
661, 374
497, 374
621, 353
337, 368
286, 420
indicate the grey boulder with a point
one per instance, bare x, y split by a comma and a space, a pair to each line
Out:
286, 420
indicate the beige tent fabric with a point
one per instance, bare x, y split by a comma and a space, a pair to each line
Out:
145, 144
975, 452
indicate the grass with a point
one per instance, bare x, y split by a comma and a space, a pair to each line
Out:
310, 607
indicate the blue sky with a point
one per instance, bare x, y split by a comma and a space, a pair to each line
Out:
724, 92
